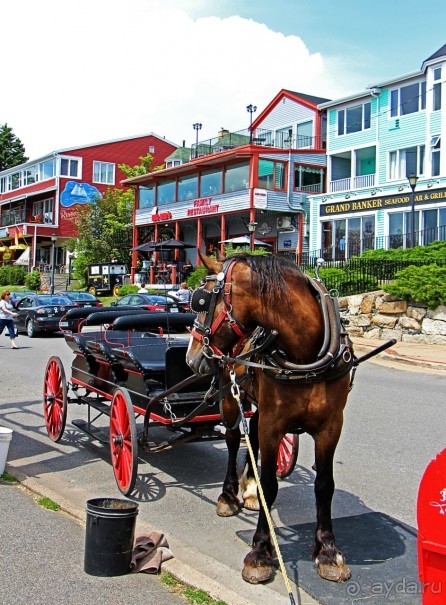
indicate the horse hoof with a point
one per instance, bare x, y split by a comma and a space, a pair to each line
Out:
334, 573
227, 507
251, 503
257, 575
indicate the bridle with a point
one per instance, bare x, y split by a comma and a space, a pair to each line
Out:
205, 301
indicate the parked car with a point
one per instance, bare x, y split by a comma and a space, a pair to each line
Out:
41, 313
16, 296
151, 302
81, 299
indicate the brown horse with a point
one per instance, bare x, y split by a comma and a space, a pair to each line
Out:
239, 295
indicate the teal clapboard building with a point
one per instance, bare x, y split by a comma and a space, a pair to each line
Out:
376, 139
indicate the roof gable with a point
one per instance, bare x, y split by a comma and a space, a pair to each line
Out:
309, 101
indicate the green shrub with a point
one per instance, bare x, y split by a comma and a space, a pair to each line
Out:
128, 289
12, 276
32, 281
432, 251
426, 284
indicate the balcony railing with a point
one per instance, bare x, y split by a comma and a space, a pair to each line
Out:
357, 182
268, 138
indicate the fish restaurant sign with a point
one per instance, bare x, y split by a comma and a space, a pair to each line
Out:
382, 203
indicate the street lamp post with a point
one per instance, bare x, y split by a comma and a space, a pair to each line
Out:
197, 127
413, 183
53, 261
250, 109
251, 228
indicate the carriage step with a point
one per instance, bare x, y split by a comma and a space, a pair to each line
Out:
101, 435
98, 404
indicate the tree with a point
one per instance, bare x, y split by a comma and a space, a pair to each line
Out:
12, 151
104, 227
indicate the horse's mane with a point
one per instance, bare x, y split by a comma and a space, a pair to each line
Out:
270, 271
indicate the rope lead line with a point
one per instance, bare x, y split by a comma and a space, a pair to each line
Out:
235, 390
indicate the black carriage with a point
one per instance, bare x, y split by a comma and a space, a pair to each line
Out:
127, 365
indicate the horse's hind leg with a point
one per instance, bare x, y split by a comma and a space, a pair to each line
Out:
247, 480
330, 562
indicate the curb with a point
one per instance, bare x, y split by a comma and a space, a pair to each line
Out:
392, 355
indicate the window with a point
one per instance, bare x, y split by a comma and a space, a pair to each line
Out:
271, 175
47, 170
166, 192
151, 149
354, 119
307, 178
44, 208
408, 99
435, 155
304, 134
104, 172
146, 197
436, 101
210, 183
31, 175
403, 162
236, 177
348, 237
187, 188
69, 167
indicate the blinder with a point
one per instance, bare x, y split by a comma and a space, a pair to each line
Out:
201, 300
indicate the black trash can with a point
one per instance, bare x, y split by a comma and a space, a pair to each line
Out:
109, 536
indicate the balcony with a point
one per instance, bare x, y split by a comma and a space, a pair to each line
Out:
12, 217
357, 182
268, 138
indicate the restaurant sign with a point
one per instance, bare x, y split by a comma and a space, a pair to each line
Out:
382, 203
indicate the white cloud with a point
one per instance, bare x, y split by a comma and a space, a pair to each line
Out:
96, 70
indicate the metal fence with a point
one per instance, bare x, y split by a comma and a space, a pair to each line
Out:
359, 275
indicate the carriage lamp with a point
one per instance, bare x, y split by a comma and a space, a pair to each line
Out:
250, 109
413, 179
53, 261
251, 228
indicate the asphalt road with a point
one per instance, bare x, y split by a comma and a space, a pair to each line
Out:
393, 428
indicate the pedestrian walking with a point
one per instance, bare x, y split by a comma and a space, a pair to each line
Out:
6, 317
143, 289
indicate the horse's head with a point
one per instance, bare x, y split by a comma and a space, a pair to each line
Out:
219, 328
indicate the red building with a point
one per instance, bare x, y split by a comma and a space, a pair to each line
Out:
38, 199
250, 184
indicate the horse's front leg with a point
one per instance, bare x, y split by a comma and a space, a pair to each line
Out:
330, 562
228, 503
258, 563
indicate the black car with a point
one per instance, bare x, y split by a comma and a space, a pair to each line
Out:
16, 296
41, 313
151, 302
81, 299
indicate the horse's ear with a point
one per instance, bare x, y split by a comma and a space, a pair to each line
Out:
220, 257
212, 265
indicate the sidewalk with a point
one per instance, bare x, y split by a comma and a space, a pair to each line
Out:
42, 561
404, 353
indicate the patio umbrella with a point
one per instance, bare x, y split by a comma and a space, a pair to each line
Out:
18, 247
244, 240
3, 248
147, 247
172, 244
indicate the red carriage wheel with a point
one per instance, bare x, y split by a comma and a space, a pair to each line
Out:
55, 398
123, 441
287, 455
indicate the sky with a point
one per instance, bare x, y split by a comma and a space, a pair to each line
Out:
83, 72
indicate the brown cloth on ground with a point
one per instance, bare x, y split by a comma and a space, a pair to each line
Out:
149, 551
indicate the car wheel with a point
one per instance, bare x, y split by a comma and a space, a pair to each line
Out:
92, 290
30, 328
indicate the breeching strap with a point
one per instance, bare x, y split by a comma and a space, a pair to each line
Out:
235, 390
